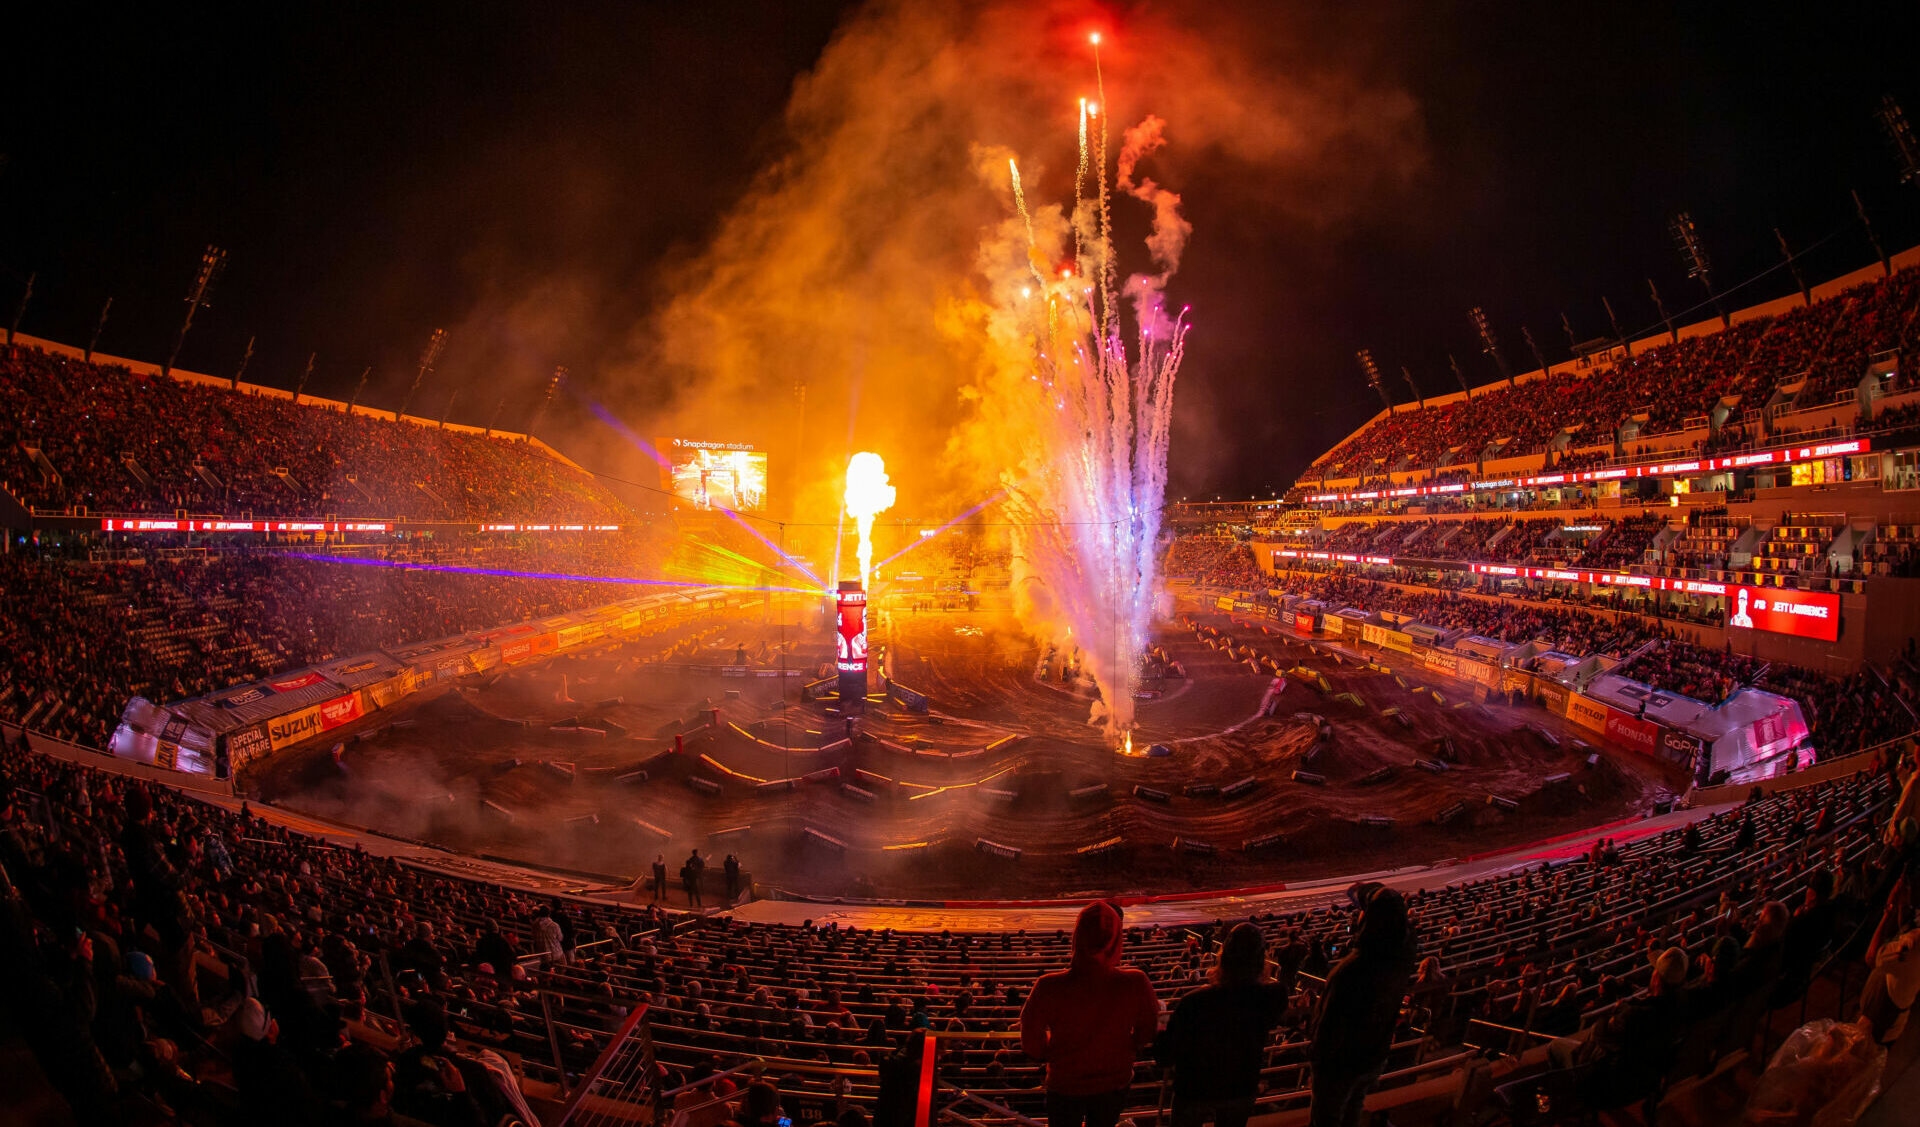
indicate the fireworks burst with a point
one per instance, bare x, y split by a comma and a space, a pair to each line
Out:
1093, 419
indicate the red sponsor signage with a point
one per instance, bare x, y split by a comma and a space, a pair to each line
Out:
1631, 731
1803, 614
340, 710
1303, 622
516, 651
112, 524
850, 638
288, 684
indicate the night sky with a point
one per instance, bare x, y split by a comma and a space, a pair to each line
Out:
374, 175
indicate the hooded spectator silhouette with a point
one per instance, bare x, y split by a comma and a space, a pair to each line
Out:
1087, 1022
1360, 1007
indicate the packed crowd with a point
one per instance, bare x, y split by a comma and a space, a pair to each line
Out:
187, 963
1844, 714
82, 637
116, 441
1214, 561
1574, 632
1674, 384
1623, 544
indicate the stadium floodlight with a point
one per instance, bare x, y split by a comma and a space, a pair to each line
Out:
1573, 342
1459, 376
213, 260
1539, 357
1488, 344
1411, 386
1619, 337
234, 383
359, 387
1693, 255
1893, 122
448, 409
1373, 377
20, 310
93, 341
429, 356
1673, 334
300, 384
1793, 265
1860, 209
554, 384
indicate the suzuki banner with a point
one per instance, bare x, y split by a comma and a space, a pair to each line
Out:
285, 731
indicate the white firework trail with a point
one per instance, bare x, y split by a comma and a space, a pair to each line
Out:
1093, 424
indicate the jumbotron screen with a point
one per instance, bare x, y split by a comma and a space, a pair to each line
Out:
715, 475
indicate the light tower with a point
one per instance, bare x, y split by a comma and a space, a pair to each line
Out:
1693, 254
1906, 151
212, 261
554, 384
1373, 377
429, 356
99, 327
1488, 344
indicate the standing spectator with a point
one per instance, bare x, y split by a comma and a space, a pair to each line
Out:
1087, 1022
660, 877
733, 878
1360, 1008
694, 870
546, 932
1216, 1038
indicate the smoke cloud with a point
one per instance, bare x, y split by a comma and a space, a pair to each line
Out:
846, 269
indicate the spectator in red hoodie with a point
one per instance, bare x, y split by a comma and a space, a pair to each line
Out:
1087, 1022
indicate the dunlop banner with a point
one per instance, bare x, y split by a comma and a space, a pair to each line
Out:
1590, 714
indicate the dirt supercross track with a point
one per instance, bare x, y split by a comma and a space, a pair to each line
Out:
707, 738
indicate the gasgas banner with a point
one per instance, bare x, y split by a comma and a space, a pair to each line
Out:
1303, 622
1803, 614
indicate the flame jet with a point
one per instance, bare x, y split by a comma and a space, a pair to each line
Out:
867, 496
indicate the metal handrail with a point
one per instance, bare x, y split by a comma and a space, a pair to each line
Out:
599, 1066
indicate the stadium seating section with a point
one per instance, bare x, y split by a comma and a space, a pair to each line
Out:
139, 921
1817, 352
112, 441
81, 637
